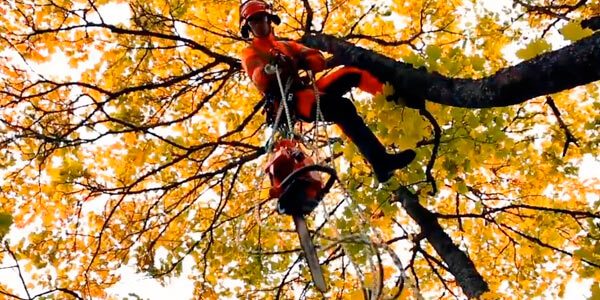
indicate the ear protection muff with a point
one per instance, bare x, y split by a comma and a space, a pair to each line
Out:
245, 31
275, 19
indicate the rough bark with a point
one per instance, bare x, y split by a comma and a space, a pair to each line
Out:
559, 70
459, 264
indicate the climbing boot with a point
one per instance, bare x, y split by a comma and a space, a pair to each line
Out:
384, 170
383, 163
341, 111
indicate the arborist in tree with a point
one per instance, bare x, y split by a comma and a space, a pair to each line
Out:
289, 57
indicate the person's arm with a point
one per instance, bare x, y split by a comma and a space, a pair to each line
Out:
309, 58
254, 67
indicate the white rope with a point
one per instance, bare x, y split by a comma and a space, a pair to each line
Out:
361, 237
354, 238
318, 100
269, 69
285, 97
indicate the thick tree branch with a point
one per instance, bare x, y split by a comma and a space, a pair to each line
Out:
566, 68
459, 264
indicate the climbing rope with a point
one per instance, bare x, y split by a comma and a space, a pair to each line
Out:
285, 97
354, 238
320, 118
361, 237
270, 69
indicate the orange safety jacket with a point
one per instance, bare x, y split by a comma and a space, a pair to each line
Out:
258, 55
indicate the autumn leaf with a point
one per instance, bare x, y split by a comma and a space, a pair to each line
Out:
573, 31
533, 49
5, 222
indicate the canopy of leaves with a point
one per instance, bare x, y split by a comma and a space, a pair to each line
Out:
137, 140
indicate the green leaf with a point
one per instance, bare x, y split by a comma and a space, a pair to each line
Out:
451, 65
534, 49
574, 32
414, 60
350, 152
450, 166
477, 62
595, 292
434, 52
5, 222
584, 253
386, 13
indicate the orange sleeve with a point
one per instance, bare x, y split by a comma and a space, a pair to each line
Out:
309, 57
254, 66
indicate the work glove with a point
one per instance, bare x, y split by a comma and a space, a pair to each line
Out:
285, 64
283, 61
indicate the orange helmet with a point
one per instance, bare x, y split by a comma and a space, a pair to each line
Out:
252, 7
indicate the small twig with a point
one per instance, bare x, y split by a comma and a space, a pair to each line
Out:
401, 279
437, 131
360, 19
460, 225
283, 282
570, 137
2, 292
539, 242
14, 257
66, 291
428, 258
542, 10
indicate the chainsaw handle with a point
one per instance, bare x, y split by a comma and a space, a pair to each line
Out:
306, 169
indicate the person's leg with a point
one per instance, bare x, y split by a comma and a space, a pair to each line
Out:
344, 79
341, 111
335, 84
